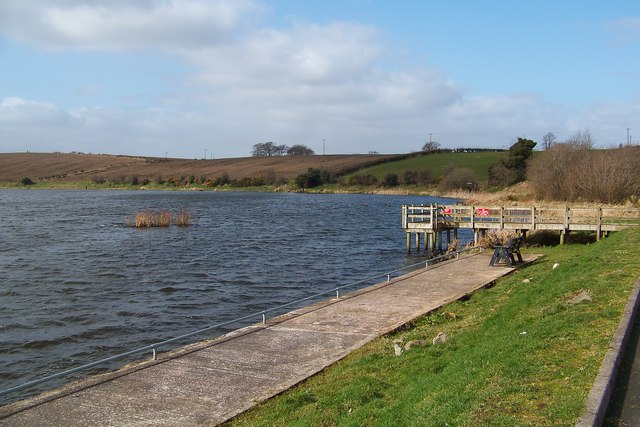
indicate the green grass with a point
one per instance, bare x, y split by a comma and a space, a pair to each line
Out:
489, 373
438, 164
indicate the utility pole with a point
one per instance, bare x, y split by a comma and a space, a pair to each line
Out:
205, 154
430, 137
323, 146
628, 136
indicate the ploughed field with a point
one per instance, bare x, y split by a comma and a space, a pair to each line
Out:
85, 167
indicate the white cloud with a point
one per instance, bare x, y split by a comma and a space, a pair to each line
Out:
167, 25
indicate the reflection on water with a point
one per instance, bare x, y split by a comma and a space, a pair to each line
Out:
78, 285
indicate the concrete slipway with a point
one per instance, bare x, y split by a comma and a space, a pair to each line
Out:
209, 382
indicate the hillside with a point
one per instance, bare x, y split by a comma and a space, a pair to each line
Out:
85, 167
438, 164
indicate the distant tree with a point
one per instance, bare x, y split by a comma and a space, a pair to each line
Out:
224, 179
300, 150
409, 177
269, 177
311, 178
390, 180
425, 177
268, 149
548, 140
512, 168
581, 139
431, 147
459, 178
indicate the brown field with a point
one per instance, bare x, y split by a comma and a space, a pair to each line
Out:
85, 167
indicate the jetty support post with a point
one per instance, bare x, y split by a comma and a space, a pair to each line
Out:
408, 242
432, 241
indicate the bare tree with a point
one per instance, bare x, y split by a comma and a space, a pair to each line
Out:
548, 140
300, 150
572, 172
431, 147
581, 139
268, 149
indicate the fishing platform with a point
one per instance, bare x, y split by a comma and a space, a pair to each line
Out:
429, 224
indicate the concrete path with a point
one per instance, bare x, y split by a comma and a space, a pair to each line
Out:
210, 382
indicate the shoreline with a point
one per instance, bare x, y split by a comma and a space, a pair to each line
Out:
517, 195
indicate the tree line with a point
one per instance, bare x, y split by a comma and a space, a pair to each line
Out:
269, 149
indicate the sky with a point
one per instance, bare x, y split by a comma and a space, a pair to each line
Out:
189, 78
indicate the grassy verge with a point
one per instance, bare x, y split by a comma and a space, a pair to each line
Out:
518, 354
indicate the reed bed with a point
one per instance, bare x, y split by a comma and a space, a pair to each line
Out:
147, 219
182, 218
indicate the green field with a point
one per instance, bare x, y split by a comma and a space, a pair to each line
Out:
519, 353
438, 164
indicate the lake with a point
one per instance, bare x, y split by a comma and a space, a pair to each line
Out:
77, 284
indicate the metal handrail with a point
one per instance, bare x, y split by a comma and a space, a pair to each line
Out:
153, 347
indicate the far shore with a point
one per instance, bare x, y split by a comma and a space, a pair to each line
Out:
516, 195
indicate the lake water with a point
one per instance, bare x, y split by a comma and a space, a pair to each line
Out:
78, 285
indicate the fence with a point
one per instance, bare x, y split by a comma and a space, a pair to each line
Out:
436, 218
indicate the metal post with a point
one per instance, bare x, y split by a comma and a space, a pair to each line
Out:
154, 357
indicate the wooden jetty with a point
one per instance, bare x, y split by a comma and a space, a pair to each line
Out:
429, 224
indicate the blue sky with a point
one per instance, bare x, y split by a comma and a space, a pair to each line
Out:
154, 76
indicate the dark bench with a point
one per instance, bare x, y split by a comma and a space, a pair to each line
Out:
507, 253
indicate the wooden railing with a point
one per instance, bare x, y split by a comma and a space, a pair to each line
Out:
437, 217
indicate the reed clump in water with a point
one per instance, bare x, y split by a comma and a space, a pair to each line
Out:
182, 218
148, 219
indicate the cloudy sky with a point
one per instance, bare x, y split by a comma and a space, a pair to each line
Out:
185, 77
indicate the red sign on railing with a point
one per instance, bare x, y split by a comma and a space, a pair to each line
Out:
483, 211
446, 210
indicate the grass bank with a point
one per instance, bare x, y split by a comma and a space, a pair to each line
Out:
518, 353
438, 164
